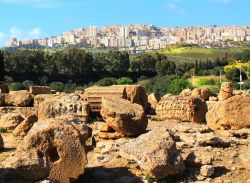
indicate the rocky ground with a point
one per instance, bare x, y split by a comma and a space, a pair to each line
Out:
59, 138
226, 151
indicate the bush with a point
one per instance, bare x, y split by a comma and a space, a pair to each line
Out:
124, 80
27, 84
57, 86
16, 86
3, 130
106, 82
8, 79
43, 80
178, 84
69, 87
234, 75
167, 84
205, 81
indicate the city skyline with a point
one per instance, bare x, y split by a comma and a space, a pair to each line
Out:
44, 18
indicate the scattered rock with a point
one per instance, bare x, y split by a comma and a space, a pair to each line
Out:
36, 90
211, 104
110, 135
61, 105
40, 98
2, 99
186, 109
202, 93
198, 157
226, 91
207, 171
105, 128
94, 95
1, 142
186, 93
23, 128
155, 152
213, 99
153, 100
4, 88
136, 94
20, 98
245, 159
44, 154
123, 116
10, 121
233, 113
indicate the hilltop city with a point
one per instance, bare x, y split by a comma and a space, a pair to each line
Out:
138, 37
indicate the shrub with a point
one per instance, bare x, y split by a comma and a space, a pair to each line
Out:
106, 82
178, 84
124, 80
3, 130
27, 84
234, 74
57, 86
205, 81
8, 79
167, 84
43, 80
16, 86
69, 87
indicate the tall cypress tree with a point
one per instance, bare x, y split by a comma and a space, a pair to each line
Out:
2, 71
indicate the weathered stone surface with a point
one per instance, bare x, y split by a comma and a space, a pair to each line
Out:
242, 92
153, 100
245, 158
1, 143
186, 93
52, 149
94, 95
23, 128
4, 88
213, 99
40, 98
207, 170
110, 135
211, 104
78, 122
233, 113
36, 90
25, 111
202, 93
60, 105
10, 121
155, 152
20, 98
123, 116
226, 91
136, 94
186, 109
2, 99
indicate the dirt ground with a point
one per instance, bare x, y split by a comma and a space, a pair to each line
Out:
105, 165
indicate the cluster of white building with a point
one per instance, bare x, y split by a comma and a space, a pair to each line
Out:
141, 37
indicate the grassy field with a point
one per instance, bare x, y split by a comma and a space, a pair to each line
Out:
193, 53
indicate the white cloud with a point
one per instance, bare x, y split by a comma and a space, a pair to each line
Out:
35, 33
16, 32
174, 5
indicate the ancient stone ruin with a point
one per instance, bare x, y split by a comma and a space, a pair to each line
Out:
120, 134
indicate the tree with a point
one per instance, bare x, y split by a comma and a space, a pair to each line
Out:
234, 75
165, 67
2, 69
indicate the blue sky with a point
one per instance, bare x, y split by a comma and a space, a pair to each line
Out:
40, 18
